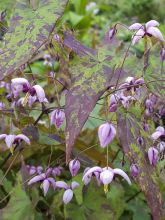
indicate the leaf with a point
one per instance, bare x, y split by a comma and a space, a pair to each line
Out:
19, 206
92, 74
28, 31
128, 130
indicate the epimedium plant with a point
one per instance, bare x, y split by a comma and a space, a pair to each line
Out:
73, 81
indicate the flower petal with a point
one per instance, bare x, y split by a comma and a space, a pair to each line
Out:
74, 185
9, 140
40, 93
2, 136
123, 174
91, 170
45, 186
68, 195
156, 33
23, 137
136, 26
106, 176
61, 184
52, 181
151, 23
156, 135
37, 179
139, 34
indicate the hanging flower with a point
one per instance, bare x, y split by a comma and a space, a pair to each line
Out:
106, 175
153, 155
74, 166
106, 133
57, 117
149, 29
134, 170
68, 194
159, 132
12, 140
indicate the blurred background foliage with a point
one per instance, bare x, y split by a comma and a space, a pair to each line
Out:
123, 202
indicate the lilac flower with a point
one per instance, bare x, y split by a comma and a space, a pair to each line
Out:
106, 175
113, 103
56, 37
68, 194
149, 29
12, 140
106, 133
57, 117
161, 146
145, 127
33, 93
45, 180
2, 106
134, 170
74, 166
159, 132
162, 54
140, 141
153, 155
112, 32
88, 178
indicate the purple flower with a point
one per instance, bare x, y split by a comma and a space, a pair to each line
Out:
106, 175
74, 166
34, 170
56, 171
57, 117
149, 29
113, 103
2, 106
12, 140
159, 132
106, 133
134, 170
153, 155
33, 93
112, 32
162, 54
56, 37
48, 60
45, 180
68, 194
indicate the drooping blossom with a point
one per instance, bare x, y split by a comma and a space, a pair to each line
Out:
106, 134
134, 170
159, 132
45, 179
88, 178
140, 141
149, 29
145, 127
12, 140
2, 106
68, 194
74, 166
161, 146
162, 54
57, 117
112, 32
153, 155
48, 60
106, 175
56, 37
33, 93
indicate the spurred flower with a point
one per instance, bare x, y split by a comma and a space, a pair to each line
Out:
106, 175
57, 117
149, 29
159, 132
134, 169
106, 133
45, 179
74, 166
153, 155
68, 194
33, 93
12, 140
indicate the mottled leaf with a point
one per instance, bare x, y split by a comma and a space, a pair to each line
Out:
92, 75
28, 31
129, 130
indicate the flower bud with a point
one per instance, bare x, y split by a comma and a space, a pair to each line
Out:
140, 141
106, 133
74, 166
153, 155
57, 117
112, 33
134, 170
162, 54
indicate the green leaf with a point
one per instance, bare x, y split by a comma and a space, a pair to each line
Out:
28, 31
